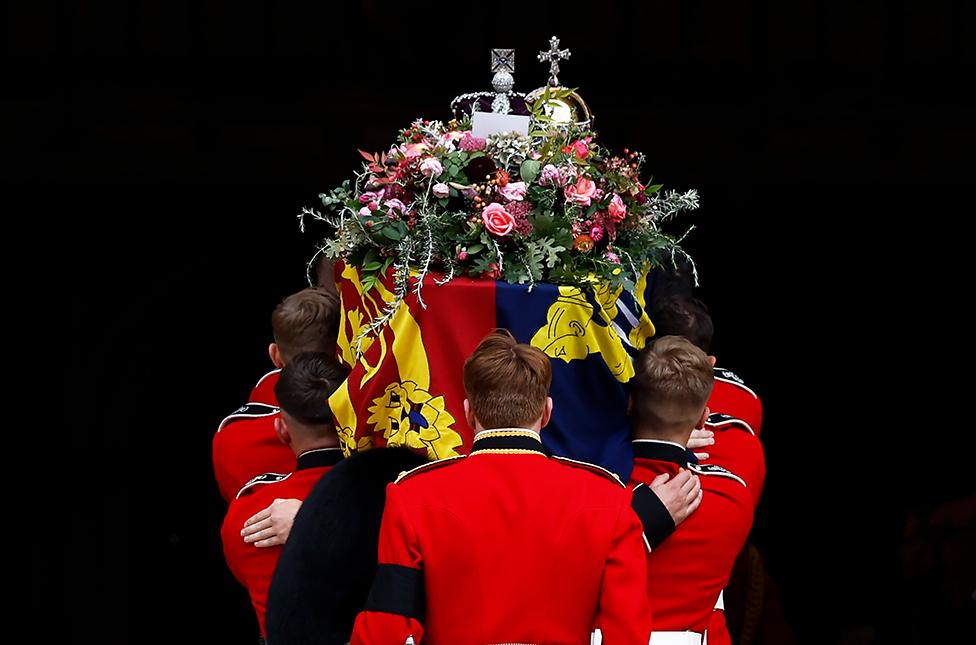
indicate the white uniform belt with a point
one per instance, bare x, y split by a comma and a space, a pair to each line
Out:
675, 638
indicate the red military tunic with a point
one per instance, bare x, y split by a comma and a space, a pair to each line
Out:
688, 571
732, 396
253, 566
735, 447
264, 392
507, 545
246, 445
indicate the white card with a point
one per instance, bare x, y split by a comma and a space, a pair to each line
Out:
486, 123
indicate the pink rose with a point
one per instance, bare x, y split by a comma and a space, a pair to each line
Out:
414, 150
395, 204
462, 256
441, 191
493, 271
497, 220
370, 196
582, 192
513, 191
581, 149
618, 210
431, 168
596, 233
613, 257
365, 212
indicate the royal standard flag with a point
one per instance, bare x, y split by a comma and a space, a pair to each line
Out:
405, 383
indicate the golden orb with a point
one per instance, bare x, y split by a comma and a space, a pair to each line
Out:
571, 110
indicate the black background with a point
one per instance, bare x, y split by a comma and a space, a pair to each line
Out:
156, 154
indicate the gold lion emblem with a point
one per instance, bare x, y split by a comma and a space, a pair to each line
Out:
407, 415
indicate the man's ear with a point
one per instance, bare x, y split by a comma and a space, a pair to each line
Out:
275, 355
469, 416
546, 412
281, 430
712, 360
704, 416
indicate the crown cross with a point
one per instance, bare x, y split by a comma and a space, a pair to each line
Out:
553, 56
503, 59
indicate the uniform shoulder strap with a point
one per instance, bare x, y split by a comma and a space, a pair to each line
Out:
248, 411
722, 421
712, 469
422, 468
266, 478
593, 468
728, 376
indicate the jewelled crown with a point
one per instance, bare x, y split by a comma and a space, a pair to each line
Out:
562, 107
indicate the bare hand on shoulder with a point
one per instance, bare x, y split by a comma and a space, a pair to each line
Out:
271, 526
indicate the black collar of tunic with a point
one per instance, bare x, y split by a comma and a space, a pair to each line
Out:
319, 458
661, 451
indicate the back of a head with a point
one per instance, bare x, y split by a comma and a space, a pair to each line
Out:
307, 321
685, 316
506, 382
304, 388
671, 387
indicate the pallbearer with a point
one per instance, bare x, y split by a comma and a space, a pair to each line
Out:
507, 545
305, 427
245, 444
687, 572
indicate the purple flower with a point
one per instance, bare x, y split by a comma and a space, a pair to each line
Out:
550, 176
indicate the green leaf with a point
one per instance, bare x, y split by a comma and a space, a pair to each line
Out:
543, 222
443, 202
371, 257
372, 266
650, 190
530, 170
396, 231
475, 248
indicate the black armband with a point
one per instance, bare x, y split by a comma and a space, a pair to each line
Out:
653, 514
397, 590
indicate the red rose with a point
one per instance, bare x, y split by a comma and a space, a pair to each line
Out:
497, 220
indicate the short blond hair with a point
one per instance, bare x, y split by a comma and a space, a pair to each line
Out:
307, 321
506, 382
673, 382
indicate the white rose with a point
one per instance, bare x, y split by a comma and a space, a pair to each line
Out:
441, 191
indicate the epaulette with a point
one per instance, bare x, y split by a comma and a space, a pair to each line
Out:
712, 469
593, 468
248, 411
728, 376
720, 421
428, 466
266, 478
